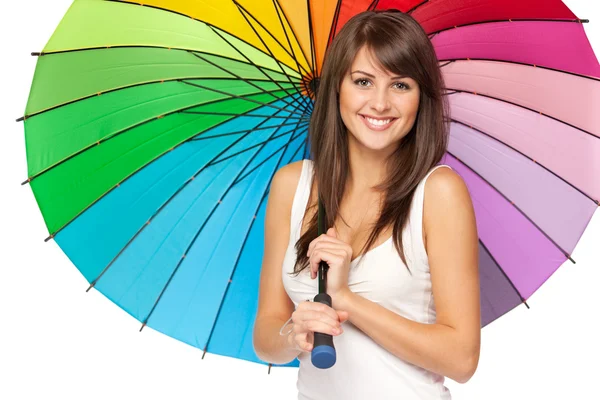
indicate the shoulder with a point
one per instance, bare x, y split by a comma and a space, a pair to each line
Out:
447, 198
285, 181
446, 184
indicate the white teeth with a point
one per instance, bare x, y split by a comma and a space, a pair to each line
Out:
378, 122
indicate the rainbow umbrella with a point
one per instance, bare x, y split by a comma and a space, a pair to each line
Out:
153, 131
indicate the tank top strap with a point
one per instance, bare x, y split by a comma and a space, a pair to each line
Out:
416, 219
301, 199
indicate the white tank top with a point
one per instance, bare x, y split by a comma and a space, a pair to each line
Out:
364, 369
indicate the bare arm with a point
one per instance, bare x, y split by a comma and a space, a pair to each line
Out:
274, 305
450, 346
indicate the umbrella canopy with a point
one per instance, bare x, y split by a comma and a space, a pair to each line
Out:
153, 131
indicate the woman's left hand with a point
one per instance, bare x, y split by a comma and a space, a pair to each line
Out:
337, 255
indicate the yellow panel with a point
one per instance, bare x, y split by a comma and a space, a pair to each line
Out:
272, 44
297, 13
298, 52
322, 13
225, 15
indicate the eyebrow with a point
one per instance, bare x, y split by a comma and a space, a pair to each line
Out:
373, 76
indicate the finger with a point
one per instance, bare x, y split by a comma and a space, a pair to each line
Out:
330, 319
324, 238
314, 307
322, 327
303, 323
312, 244
342, 315
330, 256
301, 342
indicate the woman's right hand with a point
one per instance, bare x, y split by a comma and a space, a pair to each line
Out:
310, 317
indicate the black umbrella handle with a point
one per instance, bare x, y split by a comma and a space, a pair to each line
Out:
323, 354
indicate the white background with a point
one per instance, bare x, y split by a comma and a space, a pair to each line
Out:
57, 341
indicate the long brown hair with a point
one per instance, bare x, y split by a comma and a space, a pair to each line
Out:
402, 47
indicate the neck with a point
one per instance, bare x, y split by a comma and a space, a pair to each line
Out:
366, 170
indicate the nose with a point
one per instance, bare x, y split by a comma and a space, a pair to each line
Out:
380, 101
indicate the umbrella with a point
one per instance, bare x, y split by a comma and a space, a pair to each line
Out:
153, 131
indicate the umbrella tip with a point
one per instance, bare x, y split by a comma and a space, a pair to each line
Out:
36, 53
270, 365
48, 238
26, 182
204, 353
584, 21
143, 325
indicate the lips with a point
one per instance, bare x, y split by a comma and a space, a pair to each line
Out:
377, 124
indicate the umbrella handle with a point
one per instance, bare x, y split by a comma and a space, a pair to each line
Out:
323, 353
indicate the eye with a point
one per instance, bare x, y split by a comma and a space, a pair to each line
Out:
398, 84
362, 82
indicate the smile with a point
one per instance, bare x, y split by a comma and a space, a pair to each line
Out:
377, 124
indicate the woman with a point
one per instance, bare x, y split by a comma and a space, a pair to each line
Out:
402, 231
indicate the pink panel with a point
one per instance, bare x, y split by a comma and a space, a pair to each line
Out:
569, 98
557, 45
570, 153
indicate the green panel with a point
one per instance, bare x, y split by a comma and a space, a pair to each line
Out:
64, 77
258, 57
57, 134
68, 189
107, 23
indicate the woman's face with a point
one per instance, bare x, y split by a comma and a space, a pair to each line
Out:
377, 107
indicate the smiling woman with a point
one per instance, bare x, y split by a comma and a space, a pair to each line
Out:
373, 99
377, 133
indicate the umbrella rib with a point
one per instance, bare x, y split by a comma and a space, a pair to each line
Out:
582, 21
46, 54
514, 205
313, 54
451, 60
333, 28
275, 4
258, 67
262, 41
256, 145
243, 79
373, 5
52, 235
266, 192
98, 142
243, 12
280, 11
499, 267
243, 131
144, 323
128, 87
239, 97
93, 283
597, 202
291, 139
527, 108
246, 114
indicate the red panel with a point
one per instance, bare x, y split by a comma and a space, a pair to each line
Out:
436, 15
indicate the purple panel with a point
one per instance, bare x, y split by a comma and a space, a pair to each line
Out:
525, 254
557, 208
498, 295
558, 45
